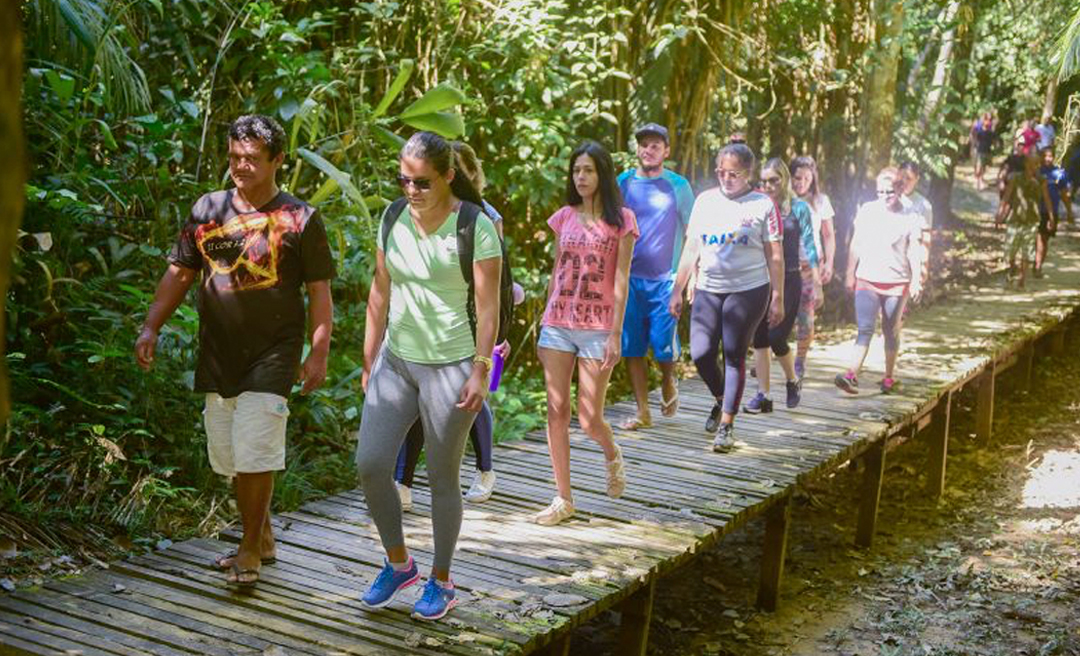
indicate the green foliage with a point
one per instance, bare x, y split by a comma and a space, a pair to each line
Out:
126, 110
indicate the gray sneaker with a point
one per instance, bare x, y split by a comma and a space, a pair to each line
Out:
725, 439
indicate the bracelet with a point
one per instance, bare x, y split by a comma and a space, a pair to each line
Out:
484, 360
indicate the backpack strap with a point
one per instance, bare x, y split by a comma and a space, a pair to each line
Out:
466, 239
466, 246
390, 217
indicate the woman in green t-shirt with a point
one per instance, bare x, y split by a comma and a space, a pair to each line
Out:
429, 366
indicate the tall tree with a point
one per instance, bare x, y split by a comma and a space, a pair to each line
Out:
879, 94
961, 36
12, 161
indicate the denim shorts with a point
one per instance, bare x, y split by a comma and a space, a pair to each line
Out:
583, 343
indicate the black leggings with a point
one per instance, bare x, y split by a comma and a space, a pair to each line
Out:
731, 319
777, 337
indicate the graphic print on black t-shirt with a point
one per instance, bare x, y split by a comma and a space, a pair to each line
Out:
251, 305
246, 248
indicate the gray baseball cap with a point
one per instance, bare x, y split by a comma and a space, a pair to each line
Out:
652, 129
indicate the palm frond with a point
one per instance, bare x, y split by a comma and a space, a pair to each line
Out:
1067, 51
94, 37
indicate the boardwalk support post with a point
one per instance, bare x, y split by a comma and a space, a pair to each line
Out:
558, 647
939, 446
984, 405
874, 463
1057, 341
777, 519
1026, 365
636, 614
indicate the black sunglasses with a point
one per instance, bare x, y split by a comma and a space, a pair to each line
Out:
421, 184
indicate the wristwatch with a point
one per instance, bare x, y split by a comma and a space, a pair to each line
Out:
484, 360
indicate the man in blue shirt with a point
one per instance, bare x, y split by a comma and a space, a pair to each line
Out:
1058, 184
661, 200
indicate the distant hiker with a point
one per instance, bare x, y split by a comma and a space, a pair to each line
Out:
983, 136
733, 242
661, 200
1046, 133
254, 250
885, 268
1025, 191
583, 321
421, 360
1059, 188
917, 203
805, 184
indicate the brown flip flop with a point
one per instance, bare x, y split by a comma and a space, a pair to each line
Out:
237, 573
270, 560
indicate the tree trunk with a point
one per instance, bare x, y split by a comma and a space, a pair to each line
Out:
12, 163
955, 134
879, 97
834, 131
943, 66
1050, 102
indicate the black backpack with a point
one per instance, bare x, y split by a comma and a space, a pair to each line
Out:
466, 238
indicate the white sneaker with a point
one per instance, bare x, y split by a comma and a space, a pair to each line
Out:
559, 510
405, 494
483, 485
616, 475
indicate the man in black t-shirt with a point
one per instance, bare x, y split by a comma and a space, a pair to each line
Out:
257, 249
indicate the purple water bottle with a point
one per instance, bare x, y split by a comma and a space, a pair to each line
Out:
496, 369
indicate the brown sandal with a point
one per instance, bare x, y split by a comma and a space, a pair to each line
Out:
220, 564
237, 573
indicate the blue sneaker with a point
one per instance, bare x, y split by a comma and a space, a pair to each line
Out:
388, 583
436, 601
794, 393
759, 404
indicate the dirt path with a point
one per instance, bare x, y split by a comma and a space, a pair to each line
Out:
991, 569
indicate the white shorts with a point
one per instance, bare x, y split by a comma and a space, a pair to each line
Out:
246, 434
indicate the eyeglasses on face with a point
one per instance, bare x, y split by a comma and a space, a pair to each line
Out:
886, 192
770, 182
730, 174
421, 184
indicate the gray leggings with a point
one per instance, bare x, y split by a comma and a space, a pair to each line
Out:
867, 304
399, 392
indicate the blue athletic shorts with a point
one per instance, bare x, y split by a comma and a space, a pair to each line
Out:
648, 322
587, 344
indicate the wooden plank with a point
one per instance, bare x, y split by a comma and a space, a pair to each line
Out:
73, 631
773, 554
870, 494
16, 640
87, 616
984, 406
939, 448
363, 627
635, 618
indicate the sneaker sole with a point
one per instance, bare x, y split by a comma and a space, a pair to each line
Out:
478, 499
723, 449
432, 618
408, 584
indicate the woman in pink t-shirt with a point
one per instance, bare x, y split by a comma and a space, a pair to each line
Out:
583, 320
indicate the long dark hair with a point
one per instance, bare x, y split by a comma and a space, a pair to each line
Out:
608, 187
437, 152
807, 162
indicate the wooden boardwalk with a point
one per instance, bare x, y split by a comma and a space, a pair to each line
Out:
526, 586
